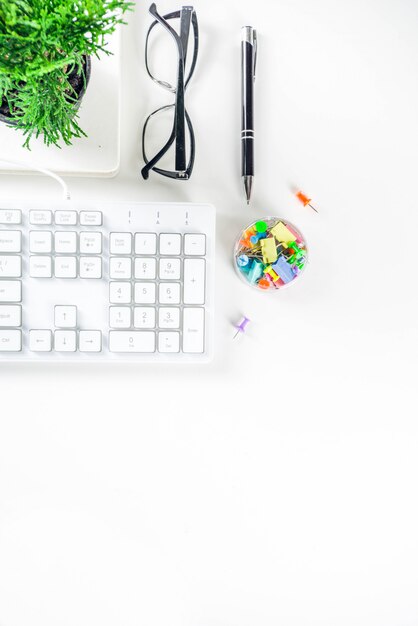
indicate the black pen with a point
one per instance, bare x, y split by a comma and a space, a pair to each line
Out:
248, 62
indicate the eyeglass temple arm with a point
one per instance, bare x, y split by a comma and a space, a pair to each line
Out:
185, 21
149, 166
179, 122
170, 16
181, 41
163, 22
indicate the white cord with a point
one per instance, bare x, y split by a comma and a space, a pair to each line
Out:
60, 180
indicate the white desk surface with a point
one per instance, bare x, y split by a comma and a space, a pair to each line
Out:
276, 486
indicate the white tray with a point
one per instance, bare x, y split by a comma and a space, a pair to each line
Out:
98, 154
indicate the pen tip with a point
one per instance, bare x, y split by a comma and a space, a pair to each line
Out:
248, 183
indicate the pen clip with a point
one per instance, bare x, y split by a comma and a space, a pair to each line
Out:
255, 52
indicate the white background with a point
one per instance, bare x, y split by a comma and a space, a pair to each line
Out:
278, 485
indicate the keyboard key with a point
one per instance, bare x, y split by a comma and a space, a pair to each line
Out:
90, 341
91, 218
65, 267
195, 245
131, 341
10, 266
10, 216
145, 293
40, 241
65, 341
145, 243
120, 267
144, 317
169, 293
170, 244
40, 218
10, 340
193, 330
168, 342
194, 281
120, 243
145, 268
170, 269
119, 317
40, 340
66, 218
169, 317
10, 241
10, 291
65, 316
40, 267
65, 242
10, 316
90, 267
120, 293
91, 243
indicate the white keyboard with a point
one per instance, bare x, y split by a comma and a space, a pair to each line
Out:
112, 282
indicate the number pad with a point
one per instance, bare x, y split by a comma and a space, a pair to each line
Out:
145, 293
120, 268
145, 268
170, 243
144, 317
170, 269
169, 317
153, 266
120, 293
120, 243
145, 243
169, 293
119, 317
168, 342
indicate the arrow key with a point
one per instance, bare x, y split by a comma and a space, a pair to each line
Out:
90, 341
65, 340
40, 340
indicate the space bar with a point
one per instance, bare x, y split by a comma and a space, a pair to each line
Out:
131, 341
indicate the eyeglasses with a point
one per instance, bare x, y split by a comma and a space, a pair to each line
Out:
179, 119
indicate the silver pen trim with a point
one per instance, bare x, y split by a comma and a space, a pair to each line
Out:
249, 35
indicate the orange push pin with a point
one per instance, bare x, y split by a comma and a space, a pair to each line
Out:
305, 200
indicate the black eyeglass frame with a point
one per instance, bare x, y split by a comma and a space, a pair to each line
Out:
182, 171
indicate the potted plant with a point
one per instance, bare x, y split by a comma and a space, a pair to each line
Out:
45, 50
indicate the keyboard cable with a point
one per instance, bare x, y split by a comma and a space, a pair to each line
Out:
60, 180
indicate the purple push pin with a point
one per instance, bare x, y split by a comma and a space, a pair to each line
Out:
242, 326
